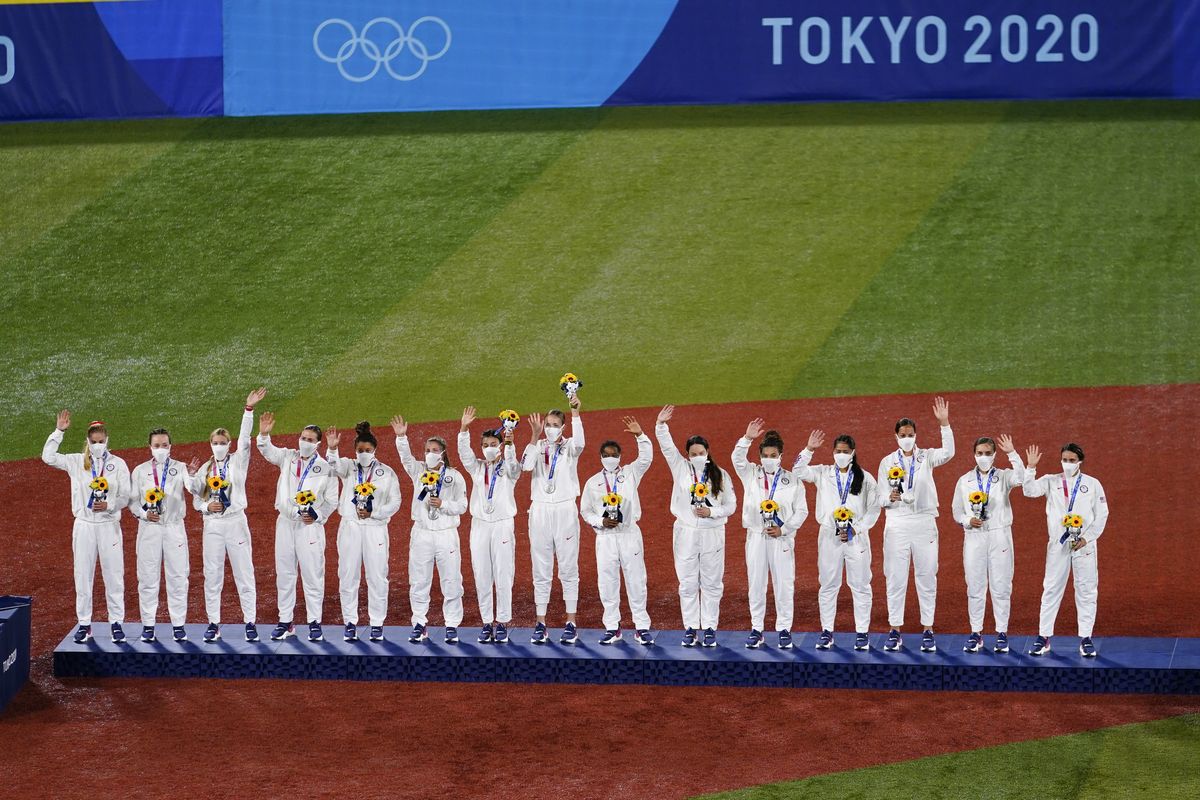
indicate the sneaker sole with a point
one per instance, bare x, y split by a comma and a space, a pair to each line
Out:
706, 644
787, 646
863, 648
754, 646
887, 648
688, 644
999, 649
1088, 655
925, 649
287, 635
824, 646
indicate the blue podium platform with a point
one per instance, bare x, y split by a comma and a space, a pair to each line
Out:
1125, 664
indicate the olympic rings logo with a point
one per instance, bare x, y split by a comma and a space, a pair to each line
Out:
381, 56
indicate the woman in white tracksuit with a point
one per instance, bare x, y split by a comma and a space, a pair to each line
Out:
1069, 552
619, 548
770, 539
96, 534
162, 545
493, 508
987, 537
702, 499
842, 543
370, 498
910, 530
437, 510
300, 528
554, 514
226, 529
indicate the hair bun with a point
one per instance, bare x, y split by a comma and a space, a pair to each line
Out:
362, 427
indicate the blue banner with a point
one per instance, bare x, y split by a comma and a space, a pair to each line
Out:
14, 645
144, 59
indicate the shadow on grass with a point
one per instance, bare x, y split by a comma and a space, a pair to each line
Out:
681, 117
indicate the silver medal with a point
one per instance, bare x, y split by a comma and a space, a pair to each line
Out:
550, 487
490, 508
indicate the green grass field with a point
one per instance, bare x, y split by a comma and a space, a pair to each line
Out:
364, 265
1129, 761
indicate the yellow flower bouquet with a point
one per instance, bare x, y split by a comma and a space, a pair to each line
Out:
154, 496
364, 490
569, 383
843, 520
896, 473
612, 506
429, 479
977, 498
99, 484
769, 509
843, 514
216, 483
699, 493
612, 499
1072, 527
305, 497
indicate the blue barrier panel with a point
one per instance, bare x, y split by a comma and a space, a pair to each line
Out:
14, 645
150, 58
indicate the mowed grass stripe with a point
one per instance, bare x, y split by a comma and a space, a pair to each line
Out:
688, 255
1150, 759
1064, 254
252, 252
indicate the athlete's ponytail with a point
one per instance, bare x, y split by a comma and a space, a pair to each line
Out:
362, 433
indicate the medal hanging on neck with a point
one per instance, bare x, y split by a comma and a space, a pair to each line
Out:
912, 468
552, 464
490, 506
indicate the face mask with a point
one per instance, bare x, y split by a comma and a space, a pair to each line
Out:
1070, 467
307, 448
553, 432
365, 459
432, 460
771, 464
843, 459
491, 453
220, 451
97, 448
907, 443
160, 454
611, 462
699, 462
984, 462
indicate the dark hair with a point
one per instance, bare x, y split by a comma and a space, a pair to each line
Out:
165, 432
362, 433
609, 443
315, 429
771, 439
985, 440
714, 471
906, 421
856, 473
494, 433
556, 412
445, 450
1071, 447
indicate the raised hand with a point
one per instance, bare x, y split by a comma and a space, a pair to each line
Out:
266, 423
467, 418
332, 437
755, 429
64, 420
508, 436
941, 411
816, 439
666, 414
632, 426
193, 466
1033, 454
535, 425
399, 426
575, 404
1005, 442
255, 397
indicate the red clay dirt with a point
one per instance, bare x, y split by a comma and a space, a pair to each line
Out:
315, 738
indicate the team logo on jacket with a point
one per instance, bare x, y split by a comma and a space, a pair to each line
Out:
1083, 488
173, 471
379, 472
785, 480
449, 480
316, 469
110, 468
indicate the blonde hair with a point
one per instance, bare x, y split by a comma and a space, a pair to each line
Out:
87, 441
205, 492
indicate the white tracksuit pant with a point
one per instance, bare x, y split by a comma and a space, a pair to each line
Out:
910, 538
425, 550
162, 549
1060, 563
988, 565
617, 554
363, 548
228, 536
303, 546
92, 541
700, 567
493, 560
855, 555
773, 557
554, 533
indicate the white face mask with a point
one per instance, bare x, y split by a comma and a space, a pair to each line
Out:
97, 449
843, 459
1070, 467
553, 432
610, 462
307, 448
907, 443
160, 454
771, 464
699, 462
491, 453
365, 459
220, 451
985, 462
432, 460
